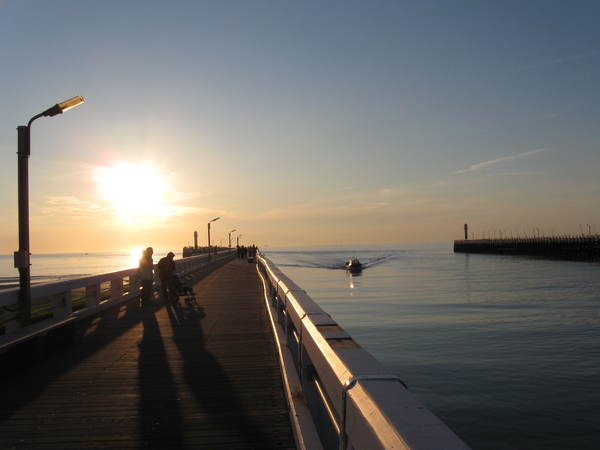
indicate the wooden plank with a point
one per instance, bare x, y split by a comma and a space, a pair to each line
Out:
202, 376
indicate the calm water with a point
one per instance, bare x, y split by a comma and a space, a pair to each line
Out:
52, 267
505, 350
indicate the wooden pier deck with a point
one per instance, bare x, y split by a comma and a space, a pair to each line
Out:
202, 376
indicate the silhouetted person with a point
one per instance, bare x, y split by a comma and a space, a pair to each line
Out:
166, 268
146, 275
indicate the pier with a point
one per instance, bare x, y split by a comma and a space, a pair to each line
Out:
576, 248
252, 363
198, 375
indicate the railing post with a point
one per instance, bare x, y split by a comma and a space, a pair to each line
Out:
92, 295
134, 284
62, 304
116, 288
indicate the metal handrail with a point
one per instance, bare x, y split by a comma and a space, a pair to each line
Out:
349, 384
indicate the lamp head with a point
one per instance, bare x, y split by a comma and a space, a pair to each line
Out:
60, 108
71, 103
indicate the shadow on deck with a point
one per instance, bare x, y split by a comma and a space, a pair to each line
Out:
201, 374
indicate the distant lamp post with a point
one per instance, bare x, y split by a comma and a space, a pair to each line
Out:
238, 240
22, 257
214, 220
230, 240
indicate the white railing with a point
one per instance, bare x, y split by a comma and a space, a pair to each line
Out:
93, 293
353, 401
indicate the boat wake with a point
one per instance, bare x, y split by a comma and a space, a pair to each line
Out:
335, 260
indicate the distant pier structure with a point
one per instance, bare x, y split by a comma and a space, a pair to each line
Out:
576, 248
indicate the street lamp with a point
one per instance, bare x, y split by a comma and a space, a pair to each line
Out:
230, 240
209, 235
238, 240
22, 257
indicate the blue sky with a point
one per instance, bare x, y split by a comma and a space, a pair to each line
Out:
332, 122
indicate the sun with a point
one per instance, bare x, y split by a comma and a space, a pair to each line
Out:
132, 191
135, 256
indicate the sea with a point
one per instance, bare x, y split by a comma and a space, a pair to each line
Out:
49, 267
505, 350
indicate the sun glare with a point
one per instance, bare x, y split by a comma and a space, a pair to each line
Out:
135, 256
132, 191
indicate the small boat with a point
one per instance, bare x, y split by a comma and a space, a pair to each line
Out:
354, 266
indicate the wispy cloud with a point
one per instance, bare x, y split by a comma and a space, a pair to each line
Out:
562, 60
516, 174
494, 162
72, 209
68, 205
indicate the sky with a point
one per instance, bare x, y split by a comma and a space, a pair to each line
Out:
299, 122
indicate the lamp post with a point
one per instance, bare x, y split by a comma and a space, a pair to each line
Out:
209, 253
22, 256
238, 240
230, 240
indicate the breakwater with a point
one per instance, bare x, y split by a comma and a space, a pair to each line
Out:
576, 248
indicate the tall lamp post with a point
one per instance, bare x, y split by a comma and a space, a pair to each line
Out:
22, 257
238, 240
209, 252
230, 240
